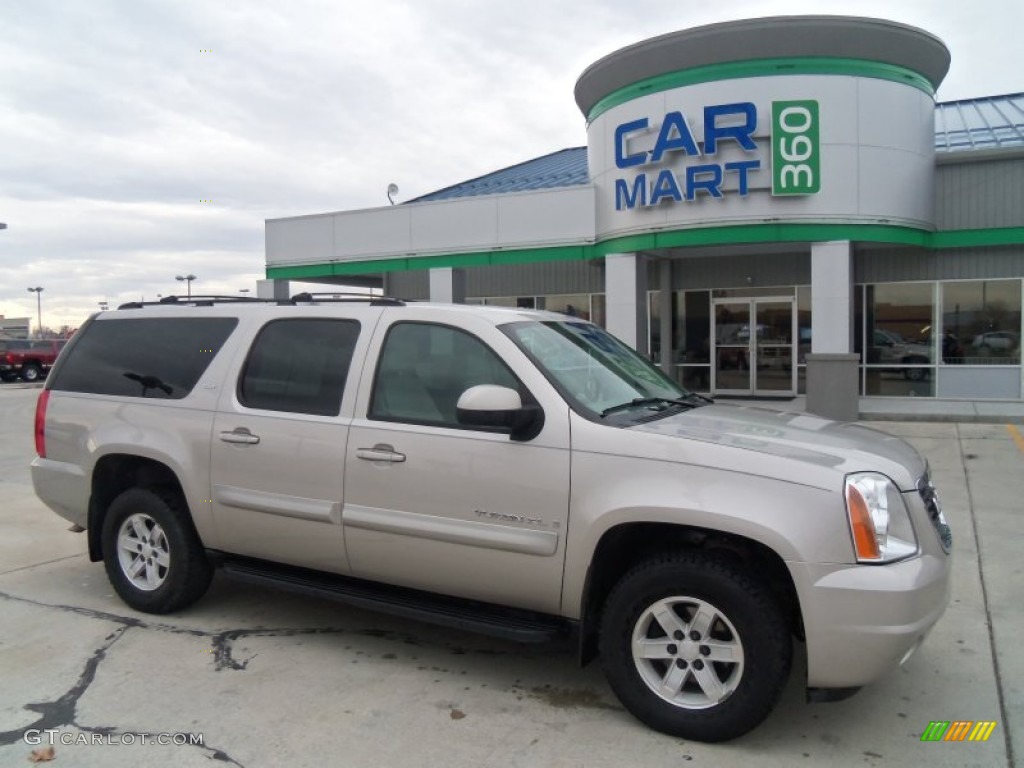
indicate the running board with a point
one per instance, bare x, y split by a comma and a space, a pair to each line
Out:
483, 618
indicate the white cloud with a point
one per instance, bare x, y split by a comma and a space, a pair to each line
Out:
115, 122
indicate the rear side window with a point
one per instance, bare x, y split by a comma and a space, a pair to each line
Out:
143, 357
299, 366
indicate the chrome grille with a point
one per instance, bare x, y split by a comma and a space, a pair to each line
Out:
930, 497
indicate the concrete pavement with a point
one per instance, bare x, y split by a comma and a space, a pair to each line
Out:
273, 679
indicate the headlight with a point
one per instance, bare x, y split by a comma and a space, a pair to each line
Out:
879, 521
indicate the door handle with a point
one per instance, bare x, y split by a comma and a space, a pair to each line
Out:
380, 452
240, 435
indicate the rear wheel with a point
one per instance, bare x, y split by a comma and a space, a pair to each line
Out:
31, 372
151, 552
695, 647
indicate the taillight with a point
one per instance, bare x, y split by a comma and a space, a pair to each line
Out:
41, 403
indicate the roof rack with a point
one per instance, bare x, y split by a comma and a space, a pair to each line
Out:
334, 296
198, 301
298, 298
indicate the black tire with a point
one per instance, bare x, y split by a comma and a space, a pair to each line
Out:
188, 572
915, 374
31, 372
751, 616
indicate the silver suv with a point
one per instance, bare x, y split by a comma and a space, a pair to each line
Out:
507, 471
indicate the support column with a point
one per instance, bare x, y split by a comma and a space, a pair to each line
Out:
832, 366
665, 311
272, 289
448, 285
625, 290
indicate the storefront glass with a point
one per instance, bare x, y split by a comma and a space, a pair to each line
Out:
981, 322
900, 348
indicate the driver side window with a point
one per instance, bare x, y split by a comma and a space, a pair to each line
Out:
425, 368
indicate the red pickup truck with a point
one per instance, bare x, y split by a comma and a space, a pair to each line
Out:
30, 359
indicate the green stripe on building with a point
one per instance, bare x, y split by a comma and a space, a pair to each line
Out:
685, 238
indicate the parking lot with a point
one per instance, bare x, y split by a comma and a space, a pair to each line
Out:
265, 678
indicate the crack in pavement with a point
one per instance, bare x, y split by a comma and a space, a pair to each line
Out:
62, 711
222, 640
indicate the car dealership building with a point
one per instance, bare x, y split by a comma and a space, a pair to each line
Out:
768, 207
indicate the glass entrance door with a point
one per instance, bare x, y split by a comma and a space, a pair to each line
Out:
753, 347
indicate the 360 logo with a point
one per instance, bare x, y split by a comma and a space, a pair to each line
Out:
958, 730
796, 151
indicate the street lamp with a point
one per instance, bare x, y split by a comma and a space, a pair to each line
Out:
104, 305
188, 280
38, 291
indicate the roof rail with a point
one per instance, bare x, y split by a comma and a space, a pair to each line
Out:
199, 300
335, 296
299, 298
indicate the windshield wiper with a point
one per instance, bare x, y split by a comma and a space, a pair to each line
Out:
693, 397
637, 402
690, 400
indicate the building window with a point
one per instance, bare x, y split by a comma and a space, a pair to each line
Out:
803, 337
588, 306
981, 322
572, 304
898, 341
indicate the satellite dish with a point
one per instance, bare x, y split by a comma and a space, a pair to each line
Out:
392, 191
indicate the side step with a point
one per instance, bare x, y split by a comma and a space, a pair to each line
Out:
483, 618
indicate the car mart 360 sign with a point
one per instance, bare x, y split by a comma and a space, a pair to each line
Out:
795, 154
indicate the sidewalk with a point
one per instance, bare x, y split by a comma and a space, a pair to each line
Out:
910, 409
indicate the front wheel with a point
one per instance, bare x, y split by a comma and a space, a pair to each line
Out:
151, 552
31, 373
694, 647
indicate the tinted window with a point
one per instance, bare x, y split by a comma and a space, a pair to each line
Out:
424, 369
144, 357
299, 366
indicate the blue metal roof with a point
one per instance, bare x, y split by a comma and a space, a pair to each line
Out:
565, 168
989, 122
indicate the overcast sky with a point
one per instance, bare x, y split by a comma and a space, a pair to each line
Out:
119, 119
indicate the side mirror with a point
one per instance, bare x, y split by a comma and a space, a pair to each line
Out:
499, 409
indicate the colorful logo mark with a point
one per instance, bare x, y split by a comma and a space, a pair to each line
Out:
958, 730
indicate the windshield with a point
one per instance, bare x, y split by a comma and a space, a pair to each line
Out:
594, 370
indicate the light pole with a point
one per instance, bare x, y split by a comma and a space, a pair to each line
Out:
188, 280
38, 291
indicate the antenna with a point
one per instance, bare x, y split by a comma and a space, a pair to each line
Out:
392, 191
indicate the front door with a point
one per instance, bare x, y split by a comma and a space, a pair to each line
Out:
752, 342
432, 504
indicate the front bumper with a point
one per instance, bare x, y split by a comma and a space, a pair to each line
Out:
862, 621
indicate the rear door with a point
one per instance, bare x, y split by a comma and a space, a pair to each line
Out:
434, 505
279, 440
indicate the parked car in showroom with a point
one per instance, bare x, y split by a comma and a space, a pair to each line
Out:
508, 471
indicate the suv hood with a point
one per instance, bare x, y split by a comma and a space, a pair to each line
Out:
800, 437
